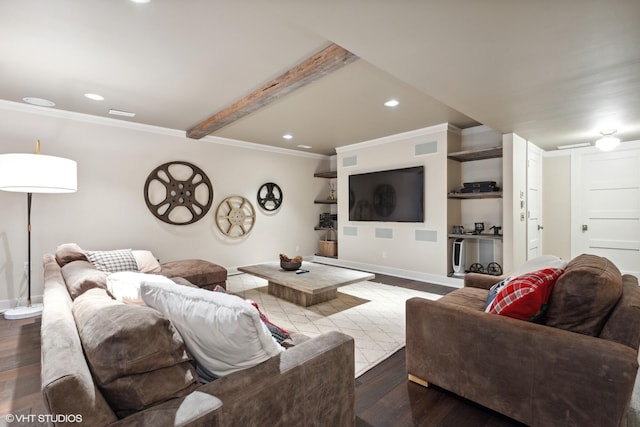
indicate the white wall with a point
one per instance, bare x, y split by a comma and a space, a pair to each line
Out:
556, 204
402, 254
514, 200
108, 211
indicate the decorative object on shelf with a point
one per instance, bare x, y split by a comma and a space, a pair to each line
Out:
270, 196
476, 268
290, 264
328, 247
494, 269
458, 229
332, 191
327, 220
479, 227
235, 216
178, 193
35, 173
496, 230
479, 187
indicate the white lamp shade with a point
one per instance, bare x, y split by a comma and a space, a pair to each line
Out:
37, 173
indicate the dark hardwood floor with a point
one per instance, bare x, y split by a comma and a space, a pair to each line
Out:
384, 396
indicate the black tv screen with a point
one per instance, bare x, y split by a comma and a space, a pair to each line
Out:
393, 195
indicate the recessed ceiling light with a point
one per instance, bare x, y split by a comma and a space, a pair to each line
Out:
306, 147
40, 102
392, 103
121, 113
141, 1
94, 96
287, 136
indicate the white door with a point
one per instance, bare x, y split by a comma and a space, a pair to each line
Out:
606, 205
534, 201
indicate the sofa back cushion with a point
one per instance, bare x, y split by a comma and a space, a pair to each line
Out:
67, 384
81, 275
224, 333
67, 252
136, 356
584, 295
623, 325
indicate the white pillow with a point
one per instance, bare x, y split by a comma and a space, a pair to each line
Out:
224, 333
147, 263
125, 285
539, 263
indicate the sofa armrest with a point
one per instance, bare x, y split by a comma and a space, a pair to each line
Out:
482, 281
311, 383
533, 373
194, 410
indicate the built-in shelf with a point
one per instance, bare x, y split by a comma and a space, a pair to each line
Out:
318, 228
327, 174
480, 154
484, 195
480, 236
326, 201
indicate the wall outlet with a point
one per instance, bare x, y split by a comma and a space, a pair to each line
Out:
25, 268
384, 254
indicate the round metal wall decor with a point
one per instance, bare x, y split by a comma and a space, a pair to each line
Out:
235, 216
178, 193
270, 196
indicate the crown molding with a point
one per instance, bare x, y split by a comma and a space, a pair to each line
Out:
141, 127
443, 127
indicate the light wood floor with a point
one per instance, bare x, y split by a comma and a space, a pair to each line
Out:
384, 397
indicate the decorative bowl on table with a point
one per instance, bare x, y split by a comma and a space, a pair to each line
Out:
290, 264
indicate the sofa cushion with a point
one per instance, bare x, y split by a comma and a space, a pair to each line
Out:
113, 261
67, 252
81, 276
224, 333
125, 285
197, 271
125, 346
147, 262
525, 297
584, 296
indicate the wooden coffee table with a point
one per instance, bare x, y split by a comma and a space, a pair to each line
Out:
318, 285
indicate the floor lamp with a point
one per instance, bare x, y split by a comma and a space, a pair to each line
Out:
35, 173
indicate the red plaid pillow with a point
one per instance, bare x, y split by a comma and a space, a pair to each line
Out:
526, 296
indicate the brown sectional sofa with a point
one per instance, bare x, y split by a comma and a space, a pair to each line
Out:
310, 383
580, 372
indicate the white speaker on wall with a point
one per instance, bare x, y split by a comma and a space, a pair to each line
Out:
458, 257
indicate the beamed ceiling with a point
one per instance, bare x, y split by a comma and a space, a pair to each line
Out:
555, 72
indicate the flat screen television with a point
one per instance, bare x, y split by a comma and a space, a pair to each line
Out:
395, 195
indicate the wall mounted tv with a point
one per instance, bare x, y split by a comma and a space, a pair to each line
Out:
391, 196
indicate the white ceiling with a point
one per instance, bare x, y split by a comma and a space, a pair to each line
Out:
553, 71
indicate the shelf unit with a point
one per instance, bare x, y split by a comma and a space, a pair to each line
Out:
485, 195
326, 175
486, 247
475, 236
479, 154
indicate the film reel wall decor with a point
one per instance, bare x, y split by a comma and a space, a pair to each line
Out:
270, 196
178, 193
235, 216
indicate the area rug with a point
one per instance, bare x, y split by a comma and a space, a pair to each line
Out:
372, 313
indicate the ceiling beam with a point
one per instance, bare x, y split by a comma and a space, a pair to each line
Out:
322, 63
